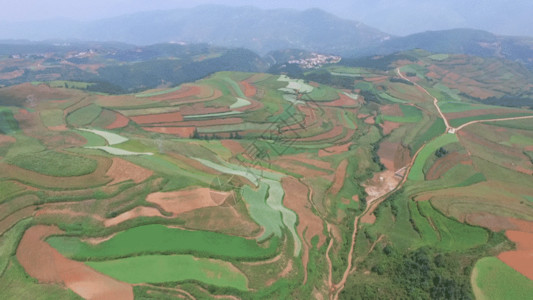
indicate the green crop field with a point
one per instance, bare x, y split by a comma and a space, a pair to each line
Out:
411, 114
172, 268
160, 239
495, 280
55, 163
429, 149
84, 116
202, 206
8, 124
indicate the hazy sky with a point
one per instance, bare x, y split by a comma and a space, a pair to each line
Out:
392, 16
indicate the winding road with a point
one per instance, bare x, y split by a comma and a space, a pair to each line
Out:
336, 288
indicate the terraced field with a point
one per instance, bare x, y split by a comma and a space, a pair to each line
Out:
259, 186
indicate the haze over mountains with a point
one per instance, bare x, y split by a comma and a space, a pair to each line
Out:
267, 30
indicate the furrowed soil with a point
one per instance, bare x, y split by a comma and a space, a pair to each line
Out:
179, 202
47, 265
520, 259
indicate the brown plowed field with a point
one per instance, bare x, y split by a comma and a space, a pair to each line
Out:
140, 211
184, 132
47, 265
296, 199
58, 128
120, 121
392, 110
370, 120
343, 101
340, 174
207, 94
233, 146
182, 201
334, 150
159, 118
443, 164
249, 90
520, 259
389, 126
201, 109
184, 92
122, 170
6, 139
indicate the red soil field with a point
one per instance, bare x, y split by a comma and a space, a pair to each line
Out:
389, 126
182, 201
122, 170
362, 116
340, 173
233, 146
200, 109
386, 153
58, 128
11, 75
120, 121
47, 265
184, 132
296, 199
520, 259
249, 90
443, 164
140, 211
392, 110
376, 79
6, 139
342, 101
334, 150
159, 118
184, 92
370, 120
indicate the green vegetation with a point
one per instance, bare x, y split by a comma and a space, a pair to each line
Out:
172, 268
54, 163
84, 116
411, 114
161, 239
496, 280
8, 124
429, 149
53, 117
461, 121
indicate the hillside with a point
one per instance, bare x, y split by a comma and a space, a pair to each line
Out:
393, 179
259, 30
465, 41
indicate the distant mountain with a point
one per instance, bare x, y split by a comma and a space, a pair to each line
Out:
465, 41
248, 27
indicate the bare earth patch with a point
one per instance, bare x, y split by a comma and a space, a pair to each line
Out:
141, 211
122, 170
6, 139
381, 184
296, 200
182, 201
334, 150
520, 259
184, 132
120, 121
47, 265
159, 118
389, 126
